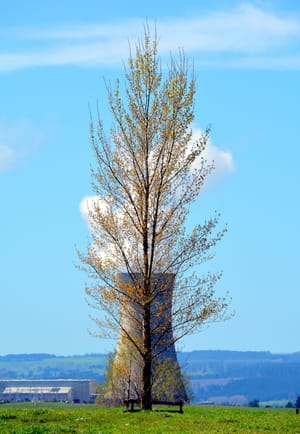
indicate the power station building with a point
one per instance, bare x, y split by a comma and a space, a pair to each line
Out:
47, 390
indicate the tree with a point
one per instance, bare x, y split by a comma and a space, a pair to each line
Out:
146, 176
254, 403
122, 381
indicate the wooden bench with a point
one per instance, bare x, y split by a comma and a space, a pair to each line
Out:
172, 403
131, 402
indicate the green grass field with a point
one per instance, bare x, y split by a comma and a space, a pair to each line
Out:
68, 418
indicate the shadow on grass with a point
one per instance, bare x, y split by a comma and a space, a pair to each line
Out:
156, 410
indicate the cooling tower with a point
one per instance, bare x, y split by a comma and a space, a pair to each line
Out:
127, 366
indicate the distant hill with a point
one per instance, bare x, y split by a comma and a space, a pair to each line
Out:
230, 377
46, 366
238, 377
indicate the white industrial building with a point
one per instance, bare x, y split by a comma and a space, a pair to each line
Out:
47, 390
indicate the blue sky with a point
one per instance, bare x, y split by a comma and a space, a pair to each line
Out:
53, 57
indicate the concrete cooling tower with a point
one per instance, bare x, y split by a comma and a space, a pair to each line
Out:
167, 379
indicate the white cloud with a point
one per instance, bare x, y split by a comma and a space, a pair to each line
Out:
85, 205
245, 29
88, 203
16, 142
245, 36
8, 156
108, 251
221, 159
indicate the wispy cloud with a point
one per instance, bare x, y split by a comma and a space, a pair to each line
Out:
8, 156
221, 159
16, 142
245, 29
245, 36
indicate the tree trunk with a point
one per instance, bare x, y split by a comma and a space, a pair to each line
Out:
147, 367
146, 386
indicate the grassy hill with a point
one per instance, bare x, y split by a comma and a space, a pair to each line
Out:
46, 366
